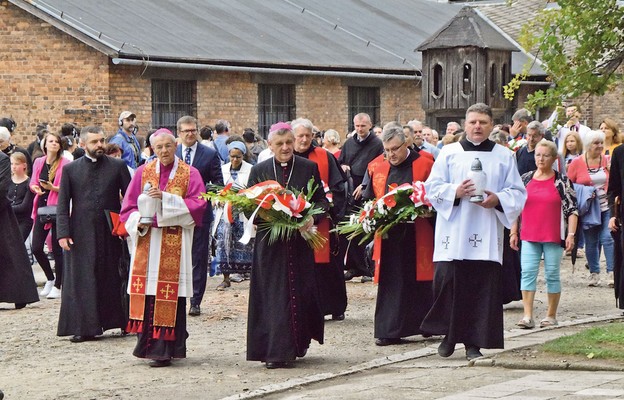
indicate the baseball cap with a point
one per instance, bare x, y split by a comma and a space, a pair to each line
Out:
126, 114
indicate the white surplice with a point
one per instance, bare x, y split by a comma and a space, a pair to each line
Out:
467, 231
170, 211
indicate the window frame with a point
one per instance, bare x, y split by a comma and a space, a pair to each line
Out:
364, 99
276, 102
171, 100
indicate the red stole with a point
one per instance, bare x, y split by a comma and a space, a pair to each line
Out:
169, 263
421, 168
319, 156
371, 165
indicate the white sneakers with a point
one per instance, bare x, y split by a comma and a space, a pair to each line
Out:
594, 279
50, 291
54, 293
46, 288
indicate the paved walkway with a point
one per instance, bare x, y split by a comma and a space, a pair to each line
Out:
421, 374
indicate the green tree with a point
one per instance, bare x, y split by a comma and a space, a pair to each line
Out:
580, 44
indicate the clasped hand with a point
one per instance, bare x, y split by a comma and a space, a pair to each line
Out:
467, 188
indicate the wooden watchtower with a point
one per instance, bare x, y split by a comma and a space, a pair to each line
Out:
467, 61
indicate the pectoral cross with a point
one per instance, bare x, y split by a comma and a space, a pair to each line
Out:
446, 242
167, 291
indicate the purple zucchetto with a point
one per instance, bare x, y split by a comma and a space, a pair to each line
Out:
160, 132
280, 125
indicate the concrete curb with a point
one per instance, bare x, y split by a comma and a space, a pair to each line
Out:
428, 351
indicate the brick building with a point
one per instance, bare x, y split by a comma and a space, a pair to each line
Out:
83, 61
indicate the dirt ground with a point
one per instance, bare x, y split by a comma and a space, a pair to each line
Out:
36, 364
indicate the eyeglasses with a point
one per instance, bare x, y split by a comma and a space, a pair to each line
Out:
394, 149
189, 131
236, 156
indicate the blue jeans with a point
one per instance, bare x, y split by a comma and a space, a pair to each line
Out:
530, 255
594, 238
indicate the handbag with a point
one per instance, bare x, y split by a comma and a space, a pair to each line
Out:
47, 214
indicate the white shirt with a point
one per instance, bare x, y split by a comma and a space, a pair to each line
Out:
193, 152
265, 155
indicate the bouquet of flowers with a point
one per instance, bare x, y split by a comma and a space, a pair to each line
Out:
283, 212
516, 144
402, 203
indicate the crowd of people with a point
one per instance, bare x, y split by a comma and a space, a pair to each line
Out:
131, 238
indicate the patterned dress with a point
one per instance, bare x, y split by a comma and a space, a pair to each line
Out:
231, 256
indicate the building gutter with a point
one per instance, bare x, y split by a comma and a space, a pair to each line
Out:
262, 70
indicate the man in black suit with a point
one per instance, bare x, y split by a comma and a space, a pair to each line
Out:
207, 162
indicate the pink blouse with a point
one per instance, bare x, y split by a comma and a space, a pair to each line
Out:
541, 217
52, 196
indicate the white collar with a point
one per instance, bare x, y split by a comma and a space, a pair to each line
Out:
359, 139
90, 158
475, 143
193, 147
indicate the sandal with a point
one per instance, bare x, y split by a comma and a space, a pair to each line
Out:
548, 322
526, 323
223, 285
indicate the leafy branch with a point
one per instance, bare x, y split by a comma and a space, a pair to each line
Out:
581, 47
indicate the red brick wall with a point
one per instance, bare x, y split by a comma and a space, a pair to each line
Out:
47, 75
228, 95
401, 102
323, 100
611, 105
132, 92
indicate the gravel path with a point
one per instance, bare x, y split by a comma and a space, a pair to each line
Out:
39, 365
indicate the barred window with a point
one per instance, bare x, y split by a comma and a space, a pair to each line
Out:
275, 103
364, 100
172, 99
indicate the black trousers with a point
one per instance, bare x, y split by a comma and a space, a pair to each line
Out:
40, 233
200, 250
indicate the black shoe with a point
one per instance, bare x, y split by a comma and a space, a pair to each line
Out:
19, 306
472, 352
194, 311
349, 275
80, 339
1, 395
446, 349
366, 279
159, 363
338, 317
277, 364
387, 341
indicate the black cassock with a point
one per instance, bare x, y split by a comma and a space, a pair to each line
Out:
17, 283
92, 296
284, 311
616, 191
330, 276
402, 302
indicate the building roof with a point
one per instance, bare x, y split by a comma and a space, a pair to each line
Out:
467, 29
505, 16
368, 36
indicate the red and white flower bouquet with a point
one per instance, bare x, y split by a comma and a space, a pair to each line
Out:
401, 204
283, 212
